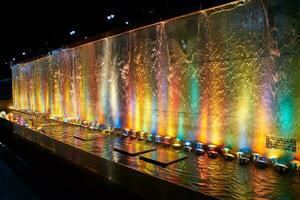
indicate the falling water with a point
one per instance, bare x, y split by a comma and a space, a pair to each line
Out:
211, 76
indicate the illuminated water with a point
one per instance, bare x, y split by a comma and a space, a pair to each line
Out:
214, 177
226, 75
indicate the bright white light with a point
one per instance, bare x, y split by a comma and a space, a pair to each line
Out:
24, 53
109, 17
126, 22
14, 59
72, 32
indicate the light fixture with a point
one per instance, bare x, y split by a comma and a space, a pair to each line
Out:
212, 153
24, 53
125, 132
141, 135
109, 17
228, 156
133, 134
243, 160
158, 139
177, 144
188, 146
167, 140
150, 137
281, 168
199, 149
72, 32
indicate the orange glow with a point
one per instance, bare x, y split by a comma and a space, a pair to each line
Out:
215, 129
172, 118
147, 118
203, 125
261, 130
274, 153
178, 77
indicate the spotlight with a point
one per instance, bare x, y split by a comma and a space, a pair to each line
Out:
243, 160
150, 137
125, 132
167, 140
199, 150
141, 135
177, 144
126, 22
261, 162
108, 130
188, 146
295, 164
281, 168
158, 139
256, 156
228, 156
133, 134
24, 53
239, 154
101, 127
225, 150
93, 126
212, 153
117, 131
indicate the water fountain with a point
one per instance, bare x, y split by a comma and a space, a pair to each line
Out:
218, 76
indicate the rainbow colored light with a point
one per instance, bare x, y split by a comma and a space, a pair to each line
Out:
208, 76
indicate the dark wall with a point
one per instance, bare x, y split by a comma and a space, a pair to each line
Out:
5, 89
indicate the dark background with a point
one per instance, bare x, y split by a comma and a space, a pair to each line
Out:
39, 27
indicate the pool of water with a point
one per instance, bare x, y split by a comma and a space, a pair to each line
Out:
214, 177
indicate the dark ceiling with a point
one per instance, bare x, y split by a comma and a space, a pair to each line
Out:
37, 28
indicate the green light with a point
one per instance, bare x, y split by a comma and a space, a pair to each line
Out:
286, 116
180, 126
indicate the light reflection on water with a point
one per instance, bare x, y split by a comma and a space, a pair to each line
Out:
214, 177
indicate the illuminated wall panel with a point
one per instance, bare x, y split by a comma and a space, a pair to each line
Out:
218, 76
